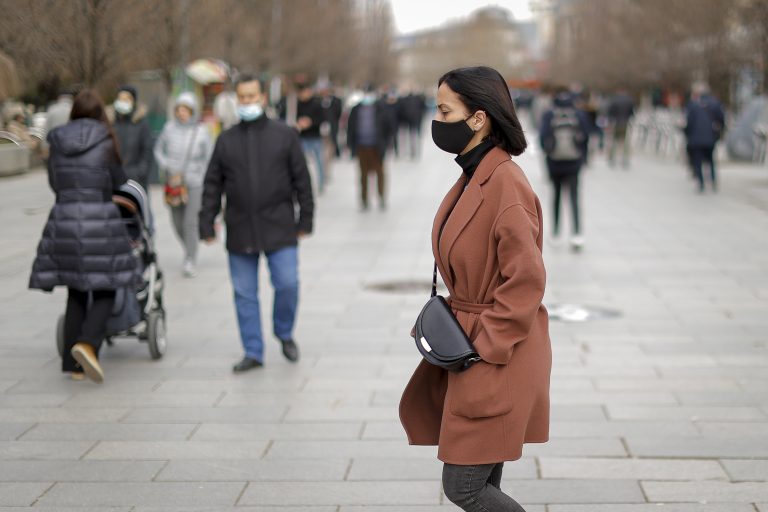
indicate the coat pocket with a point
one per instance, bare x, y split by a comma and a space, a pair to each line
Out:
481, 392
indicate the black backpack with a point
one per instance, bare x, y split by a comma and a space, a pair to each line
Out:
565, 144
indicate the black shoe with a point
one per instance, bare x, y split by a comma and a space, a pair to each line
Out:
248, 363
290, 350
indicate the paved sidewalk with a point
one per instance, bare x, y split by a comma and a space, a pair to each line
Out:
667, 404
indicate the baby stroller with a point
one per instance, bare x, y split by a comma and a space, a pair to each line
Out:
137, 312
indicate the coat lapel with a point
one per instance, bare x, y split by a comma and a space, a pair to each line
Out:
458, 208
440, 218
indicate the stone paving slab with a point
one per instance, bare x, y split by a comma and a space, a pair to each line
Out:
108, 432
744, 492
146, 400
60, 415
21, 494
235, 509
278, 431
166, 450
43, 450
110, 494
342, 493
698, 447
205, 415
630, 469
78, 471
347, 449
747, 470
655, 507
71, 509
224, 470
11, 431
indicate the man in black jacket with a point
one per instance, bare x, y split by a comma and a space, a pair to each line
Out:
259, 166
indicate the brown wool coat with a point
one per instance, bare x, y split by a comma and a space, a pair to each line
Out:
490, 259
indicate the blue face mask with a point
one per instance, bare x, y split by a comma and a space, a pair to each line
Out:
369, 99
250, 111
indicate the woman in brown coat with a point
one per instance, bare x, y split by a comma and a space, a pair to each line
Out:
487, 239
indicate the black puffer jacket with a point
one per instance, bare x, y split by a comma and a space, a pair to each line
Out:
85, 245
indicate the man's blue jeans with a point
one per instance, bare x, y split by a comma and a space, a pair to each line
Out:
313, 147
284, 272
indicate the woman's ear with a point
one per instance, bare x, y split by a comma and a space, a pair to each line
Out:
479, 120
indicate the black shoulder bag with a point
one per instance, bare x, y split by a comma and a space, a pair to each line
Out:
439, 337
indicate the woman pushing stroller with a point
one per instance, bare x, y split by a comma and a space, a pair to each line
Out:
85, 245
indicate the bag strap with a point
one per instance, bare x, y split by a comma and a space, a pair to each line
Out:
189, 148
434, 281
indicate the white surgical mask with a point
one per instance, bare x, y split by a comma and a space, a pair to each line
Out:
249, 111
123, 107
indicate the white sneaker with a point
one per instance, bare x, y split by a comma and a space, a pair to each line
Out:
556, 241
577, 243
188, 270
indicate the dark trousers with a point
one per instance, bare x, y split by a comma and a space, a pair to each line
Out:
370, 161
700, 155
85, 324
477, 488
571, 182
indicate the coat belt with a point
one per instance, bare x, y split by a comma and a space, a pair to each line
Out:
468, 307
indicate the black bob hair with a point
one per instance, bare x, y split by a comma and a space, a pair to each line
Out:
483, 88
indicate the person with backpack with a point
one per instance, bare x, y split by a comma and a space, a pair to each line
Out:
564, 135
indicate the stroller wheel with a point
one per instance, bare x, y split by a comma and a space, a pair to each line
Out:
156, 334
60, 335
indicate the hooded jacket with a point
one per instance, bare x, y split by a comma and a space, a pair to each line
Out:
85, 244
185, 148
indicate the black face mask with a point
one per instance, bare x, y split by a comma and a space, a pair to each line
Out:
452, 137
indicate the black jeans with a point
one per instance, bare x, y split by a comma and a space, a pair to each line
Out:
85, 324
477, 488
571, 182
699, 156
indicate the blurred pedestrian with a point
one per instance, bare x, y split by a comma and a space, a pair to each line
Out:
411, 109
564, 136
332, 109
182, 151
85, 245
389, 100
309, 118
621, 108
487, 242
259, 166
134, 136
705, 122
58, 112
369, 130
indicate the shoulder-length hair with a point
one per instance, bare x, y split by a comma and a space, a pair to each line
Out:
483, 88
88, 105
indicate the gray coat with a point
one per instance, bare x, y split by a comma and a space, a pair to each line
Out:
85, 244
